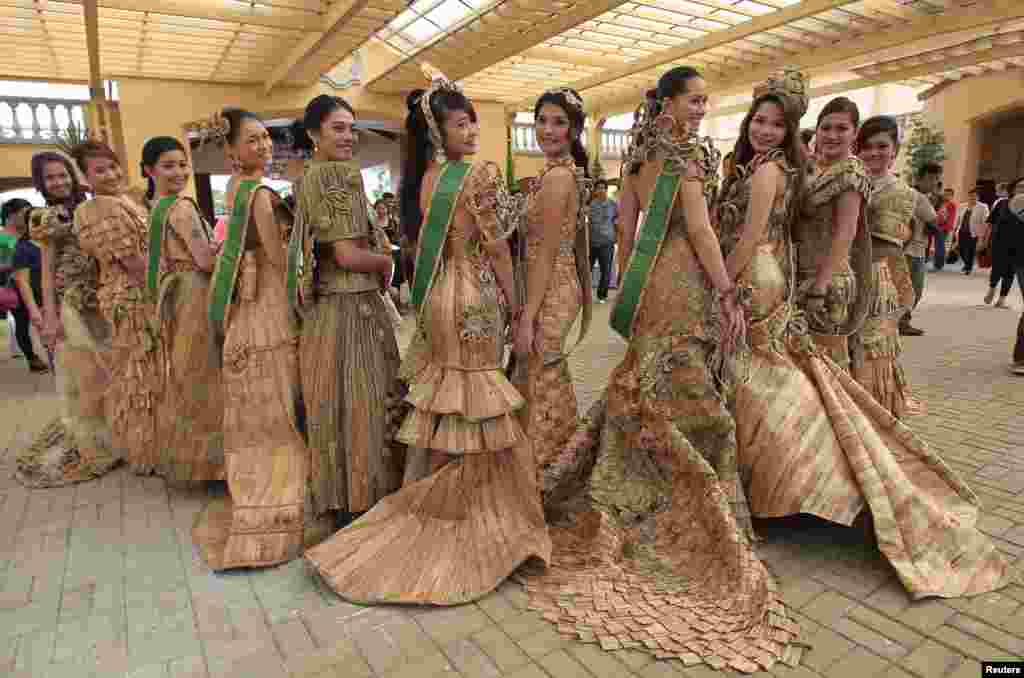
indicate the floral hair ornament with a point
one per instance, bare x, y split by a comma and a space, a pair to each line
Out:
790, 86
570, 96
216, 128
438, 83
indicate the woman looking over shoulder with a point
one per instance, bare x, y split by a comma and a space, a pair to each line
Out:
833, 251
112, 229
811, 440
181, 258
554, 274
348, 355
645, 505
891, 212
469, 513
267, 517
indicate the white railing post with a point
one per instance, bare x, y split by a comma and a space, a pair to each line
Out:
33, 130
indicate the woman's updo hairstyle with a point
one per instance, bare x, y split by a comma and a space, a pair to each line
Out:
316, 112
421, 149
879, 124
841, 105
671, 84
151, 153
235, 117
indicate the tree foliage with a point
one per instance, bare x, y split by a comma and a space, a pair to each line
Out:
70, 137
925, 144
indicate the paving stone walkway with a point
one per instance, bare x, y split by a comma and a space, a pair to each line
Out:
101, 579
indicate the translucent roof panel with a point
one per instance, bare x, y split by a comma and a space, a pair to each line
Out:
425, 20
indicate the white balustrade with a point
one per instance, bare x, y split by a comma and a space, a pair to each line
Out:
613, 142
28, 120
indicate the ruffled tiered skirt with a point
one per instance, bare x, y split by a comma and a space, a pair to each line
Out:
875, 350
76, 446
470, 514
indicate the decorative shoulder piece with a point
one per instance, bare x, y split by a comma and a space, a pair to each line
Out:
790, 86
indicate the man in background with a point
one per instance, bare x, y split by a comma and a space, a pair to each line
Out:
973, 225
916, 249
946, 226
604, 213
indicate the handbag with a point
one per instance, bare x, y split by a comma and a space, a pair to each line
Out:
953, 255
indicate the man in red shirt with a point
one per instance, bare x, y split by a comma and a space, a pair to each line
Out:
946, 224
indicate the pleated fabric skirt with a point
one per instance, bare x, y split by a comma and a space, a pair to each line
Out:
349, 361
190, 420
76, 446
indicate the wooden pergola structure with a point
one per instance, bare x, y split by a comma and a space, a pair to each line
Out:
510, 51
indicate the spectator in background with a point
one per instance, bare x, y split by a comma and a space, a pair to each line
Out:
973, 226
27, 271
8, 297
604, 214
916, 249
1007, 245
945, 226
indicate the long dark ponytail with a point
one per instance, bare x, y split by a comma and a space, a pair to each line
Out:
421, 149
577, 119
151, 153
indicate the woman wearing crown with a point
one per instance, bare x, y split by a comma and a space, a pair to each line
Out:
648, 522
469, 512
812, 440
553, 274
267, 517
892, 210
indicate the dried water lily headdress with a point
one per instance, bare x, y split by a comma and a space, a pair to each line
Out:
790, 86
216, 128
570, 95
438, 83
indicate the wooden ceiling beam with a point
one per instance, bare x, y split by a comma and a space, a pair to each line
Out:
90, 10
980, 15
517, 38
256, 14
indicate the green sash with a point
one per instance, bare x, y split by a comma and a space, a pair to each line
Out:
157, 221
435, 228
226, 272
645, 252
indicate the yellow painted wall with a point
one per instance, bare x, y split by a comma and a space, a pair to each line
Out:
960, 110
16, 159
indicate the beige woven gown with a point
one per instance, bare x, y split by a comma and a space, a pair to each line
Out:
813, 440
453, 536
191, 415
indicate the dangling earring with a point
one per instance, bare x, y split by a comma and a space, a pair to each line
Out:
439, 155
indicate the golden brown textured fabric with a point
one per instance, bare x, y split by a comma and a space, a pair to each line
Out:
875, 349
75, 446
550, 415
191, 414
348, 353
848, 295
267, 517
454, 535
648, 521
812, 440
110, 229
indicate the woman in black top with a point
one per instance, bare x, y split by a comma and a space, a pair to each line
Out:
1007, 246
26, 272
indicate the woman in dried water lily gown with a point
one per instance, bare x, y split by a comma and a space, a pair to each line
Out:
811, 439
833, 249
181, 257
266, 518
649, 527
348, 354
554, 274
892, 210
76, 446
112, 229
469, 512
